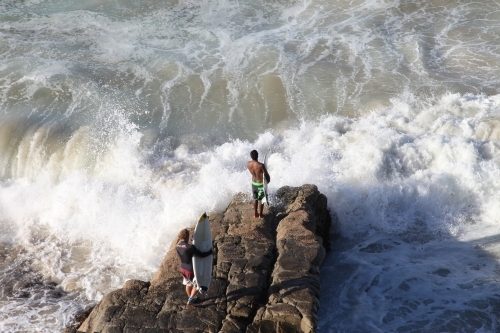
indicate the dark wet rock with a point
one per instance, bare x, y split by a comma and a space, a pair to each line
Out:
22, 294
265, 275
56, 293
78, 320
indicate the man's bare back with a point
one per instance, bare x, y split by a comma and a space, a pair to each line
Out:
257, 170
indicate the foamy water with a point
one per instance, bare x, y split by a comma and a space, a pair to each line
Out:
121, 122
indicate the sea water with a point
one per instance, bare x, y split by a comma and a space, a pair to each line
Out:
122, 121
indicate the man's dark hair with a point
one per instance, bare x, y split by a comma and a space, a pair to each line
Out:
254, 155
183, 235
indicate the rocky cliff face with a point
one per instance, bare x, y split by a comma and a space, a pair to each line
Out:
265, 276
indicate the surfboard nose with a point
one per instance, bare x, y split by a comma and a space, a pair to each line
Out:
204, 216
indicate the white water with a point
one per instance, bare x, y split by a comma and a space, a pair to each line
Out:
121, 122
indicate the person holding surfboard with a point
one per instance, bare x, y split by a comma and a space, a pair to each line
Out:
259, 172
186, 252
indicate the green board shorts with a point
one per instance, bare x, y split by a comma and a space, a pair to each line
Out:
258, 191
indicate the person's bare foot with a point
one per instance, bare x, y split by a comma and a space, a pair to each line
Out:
256, 216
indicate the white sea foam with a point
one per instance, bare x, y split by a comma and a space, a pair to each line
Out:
388, 173
121, 123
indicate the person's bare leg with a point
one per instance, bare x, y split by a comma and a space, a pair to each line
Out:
261, 208
255, 209
189, 290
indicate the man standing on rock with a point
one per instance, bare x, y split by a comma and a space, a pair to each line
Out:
186, 252
258, 171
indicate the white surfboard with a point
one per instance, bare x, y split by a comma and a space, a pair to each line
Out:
265, 199
202, 239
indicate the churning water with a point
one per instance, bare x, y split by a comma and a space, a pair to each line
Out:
122, 121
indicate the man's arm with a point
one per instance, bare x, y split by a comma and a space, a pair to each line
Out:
200, 253
266, 174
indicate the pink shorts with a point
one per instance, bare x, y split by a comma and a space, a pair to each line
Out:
187, 277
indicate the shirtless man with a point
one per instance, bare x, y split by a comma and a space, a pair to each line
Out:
258, 171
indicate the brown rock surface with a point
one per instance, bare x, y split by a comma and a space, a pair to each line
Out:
265, 276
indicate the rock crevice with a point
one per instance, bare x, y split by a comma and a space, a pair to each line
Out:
265, 276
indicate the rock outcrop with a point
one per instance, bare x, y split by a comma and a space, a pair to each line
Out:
265, 276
